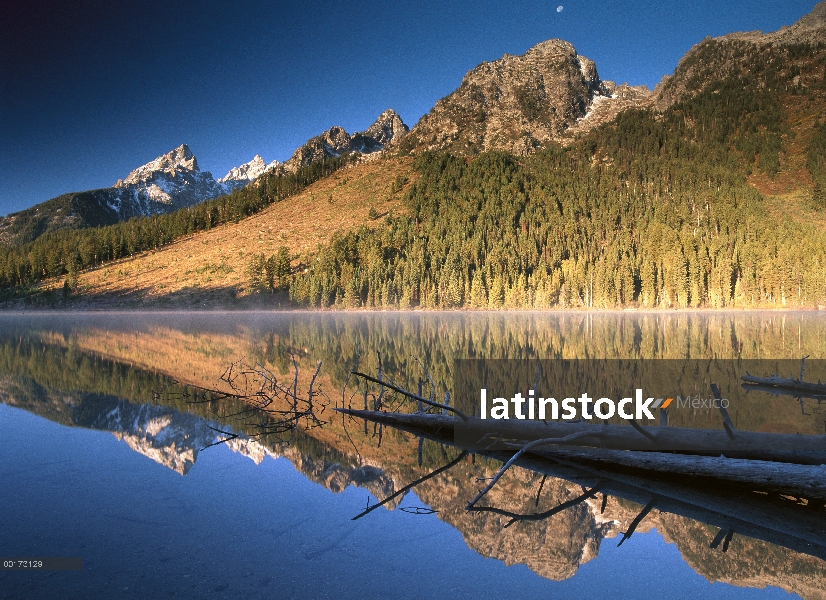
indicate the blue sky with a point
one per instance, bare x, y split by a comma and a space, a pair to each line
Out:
92, 89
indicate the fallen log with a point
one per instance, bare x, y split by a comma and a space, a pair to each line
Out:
726, 505
792, 385
782, 391
808, 480
749, 445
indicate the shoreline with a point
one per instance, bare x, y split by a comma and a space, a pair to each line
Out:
411, 311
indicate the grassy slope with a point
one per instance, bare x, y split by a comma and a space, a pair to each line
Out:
210, 267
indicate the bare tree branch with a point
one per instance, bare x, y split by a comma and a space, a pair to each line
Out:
404, 392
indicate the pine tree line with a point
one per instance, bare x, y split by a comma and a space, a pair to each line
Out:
269, 274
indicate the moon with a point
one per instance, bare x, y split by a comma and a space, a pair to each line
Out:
559, 8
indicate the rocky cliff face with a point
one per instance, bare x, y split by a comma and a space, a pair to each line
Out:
513, 104
605, 108
335, 142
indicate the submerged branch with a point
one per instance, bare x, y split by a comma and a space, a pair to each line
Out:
282, 408
523, 450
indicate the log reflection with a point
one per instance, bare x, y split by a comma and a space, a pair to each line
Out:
794, 521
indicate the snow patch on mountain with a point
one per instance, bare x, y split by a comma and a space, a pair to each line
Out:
172, 181
240, 176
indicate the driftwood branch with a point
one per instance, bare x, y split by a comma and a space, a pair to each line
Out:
785, 384
526, 448
727, 424
637, 520
255, 386
429, 378
724, 535
778, 391
641, 430
539, 491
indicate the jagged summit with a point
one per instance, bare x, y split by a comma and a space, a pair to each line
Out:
179, 158
388, 126
171, 181
514, 104
240, 176
336, 141
249, 170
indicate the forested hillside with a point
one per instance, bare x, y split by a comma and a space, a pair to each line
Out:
651, 210
67, 211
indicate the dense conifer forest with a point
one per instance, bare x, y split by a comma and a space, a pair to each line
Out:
652, 210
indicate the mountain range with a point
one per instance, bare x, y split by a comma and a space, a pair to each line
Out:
515, 104
724, 161
174, 181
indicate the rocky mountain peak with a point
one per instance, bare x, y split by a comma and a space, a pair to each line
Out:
388, 127
513, 104
182, 157
336, 141
241, 175
171, 181
179, 159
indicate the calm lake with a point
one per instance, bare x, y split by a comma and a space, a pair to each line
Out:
107, 453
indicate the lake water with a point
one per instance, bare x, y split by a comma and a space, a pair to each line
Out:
105, 457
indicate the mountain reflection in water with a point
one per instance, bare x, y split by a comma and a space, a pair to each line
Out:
124, 375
